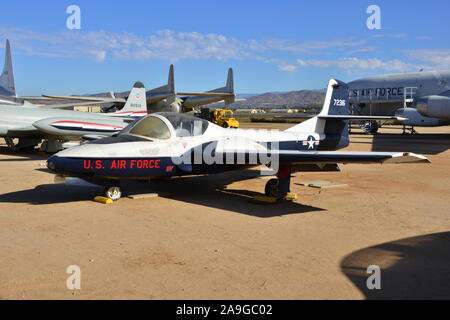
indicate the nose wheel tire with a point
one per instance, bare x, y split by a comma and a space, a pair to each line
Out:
113, 193
273, 189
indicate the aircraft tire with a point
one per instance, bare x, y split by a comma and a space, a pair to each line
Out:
113, 193
370, 127
272, 189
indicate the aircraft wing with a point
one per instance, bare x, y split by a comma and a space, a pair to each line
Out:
72, 105
17, 129
206, 94
322, 159
350, 157
344, 117
101, 100
327, 157
83, 98
31, 99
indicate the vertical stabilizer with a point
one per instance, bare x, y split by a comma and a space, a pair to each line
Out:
230, 81
7, 85
136, 104
331, 122
167, 89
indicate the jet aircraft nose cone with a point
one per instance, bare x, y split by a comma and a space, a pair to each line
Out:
53, 163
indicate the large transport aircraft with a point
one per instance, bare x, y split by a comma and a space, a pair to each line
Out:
31, 124
165, 99
173, 144
421, 97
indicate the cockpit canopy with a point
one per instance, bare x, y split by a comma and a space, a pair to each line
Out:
157, 126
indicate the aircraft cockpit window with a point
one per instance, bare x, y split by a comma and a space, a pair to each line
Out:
151, 127
186, 125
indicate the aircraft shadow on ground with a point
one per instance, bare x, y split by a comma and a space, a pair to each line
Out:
210, 191
51, 194
23, 155
413, 268
419, 143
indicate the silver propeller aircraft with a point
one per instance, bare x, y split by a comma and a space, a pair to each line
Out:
421, 97
174, 144
32, 124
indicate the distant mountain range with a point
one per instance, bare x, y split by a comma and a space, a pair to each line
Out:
288, 99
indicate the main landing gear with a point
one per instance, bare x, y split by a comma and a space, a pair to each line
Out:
279, 188
24, 144
411, 130
370, 127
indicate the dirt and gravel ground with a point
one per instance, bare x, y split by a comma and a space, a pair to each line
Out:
205, 239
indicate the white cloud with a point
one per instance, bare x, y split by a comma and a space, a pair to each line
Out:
351, 64
308, 47
288, 67
172, 46
161, 45
431, 59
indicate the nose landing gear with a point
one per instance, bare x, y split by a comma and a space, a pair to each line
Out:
113, 193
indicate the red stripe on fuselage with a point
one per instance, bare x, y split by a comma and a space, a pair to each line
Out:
88, 123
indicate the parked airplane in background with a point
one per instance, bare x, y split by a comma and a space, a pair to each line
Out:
23, 120
164, 98
421, 97
174, 144
32, 124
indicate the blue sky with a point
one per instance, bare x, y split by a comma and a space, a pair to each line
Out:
272, 45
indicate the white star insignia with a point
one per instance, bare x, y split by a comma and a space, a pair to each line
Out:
311, 142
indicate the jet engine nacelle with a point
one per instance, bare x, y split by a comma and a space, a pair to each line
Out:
434, 106
414, 118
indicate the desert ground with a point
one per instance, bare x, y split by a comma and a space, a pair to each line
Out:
204, 237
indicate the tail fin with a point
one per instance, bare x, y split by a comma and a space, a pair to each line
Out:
164, 92
334, 129
196, 99
136, 104
7, 86
230, 88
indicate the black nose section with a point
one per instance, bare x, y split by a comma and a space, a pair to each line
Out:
52, 163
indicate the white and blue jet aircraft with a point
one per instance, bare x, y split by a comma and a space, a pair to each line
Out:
172, 144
